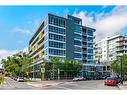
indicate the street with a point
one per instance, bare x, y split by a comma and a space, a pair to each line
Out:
12, 84
83, 85
57, 85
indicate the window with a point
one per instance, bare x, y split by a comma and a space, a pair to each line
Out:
78, 49
90, 50
56, 30
77, 42
56, 37
77, 55
78, 28
90, 45
90, 56
77, 36
90, 39
90, 32
56, 44
56, 21
57, 52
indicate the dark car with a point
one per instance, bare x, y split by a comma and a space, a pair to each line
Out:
112, 81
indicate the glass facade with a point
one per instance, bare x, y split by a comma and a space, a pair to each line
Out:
54, 20
77, 36
90, 50
56, 37
77, 55
56, 29
53, 41
56, 44
90, 32
78, 28
76, 42
56, 52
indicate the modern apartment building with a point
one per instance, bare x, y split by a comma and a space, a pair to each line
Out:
109, 48
63, 37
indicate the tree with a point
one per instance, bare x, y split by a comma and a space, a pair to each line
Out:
69, 67
116, 65
17, 65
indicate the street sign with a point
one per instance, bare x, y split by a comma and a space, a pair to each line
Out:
43, 70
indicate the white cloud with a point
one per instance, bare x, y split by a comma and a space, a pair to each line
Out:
106, 24
24, 31
4, 53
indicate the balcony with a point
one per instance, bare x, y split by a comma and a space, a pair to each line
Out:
121, 44
122, 39
84, 52
84, 40
121, 49
84, 58
84, 45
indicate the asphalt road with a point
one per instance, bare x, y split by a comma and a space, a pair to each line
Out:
83, 85
57, 85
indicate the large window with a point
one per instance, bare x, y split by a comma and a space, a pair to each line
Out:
90, 32
90, 39
56, 30
77, 55
77, 42
77, 36
78, 49
56, 44
90, 45
57, 52
90, 50
90, 56
56, 21
56, 37
78, 28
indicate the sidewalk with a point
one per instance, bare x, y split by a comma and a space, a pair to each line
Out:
124, 86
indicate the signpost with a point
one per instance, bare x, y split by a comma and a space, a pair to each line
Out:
42, 72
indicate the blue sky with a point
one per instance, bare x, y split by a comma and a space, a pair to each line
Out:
18, 23
27, 18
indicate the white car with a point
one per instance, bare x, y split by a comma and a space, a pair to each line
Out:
78, 78
20, 79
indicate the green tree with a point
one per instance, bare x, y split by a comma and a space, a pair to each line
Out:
116, 65
70, 67
17, 65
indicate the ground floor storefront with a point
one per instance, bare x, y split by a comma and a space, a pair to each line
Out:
89, 71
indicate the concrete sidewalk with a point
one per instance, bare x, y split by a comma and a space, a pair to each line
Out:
124, 86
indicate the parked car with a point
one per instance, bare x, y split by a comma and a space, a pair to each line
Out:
79, 78
112, 81
20, 79
104, 77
